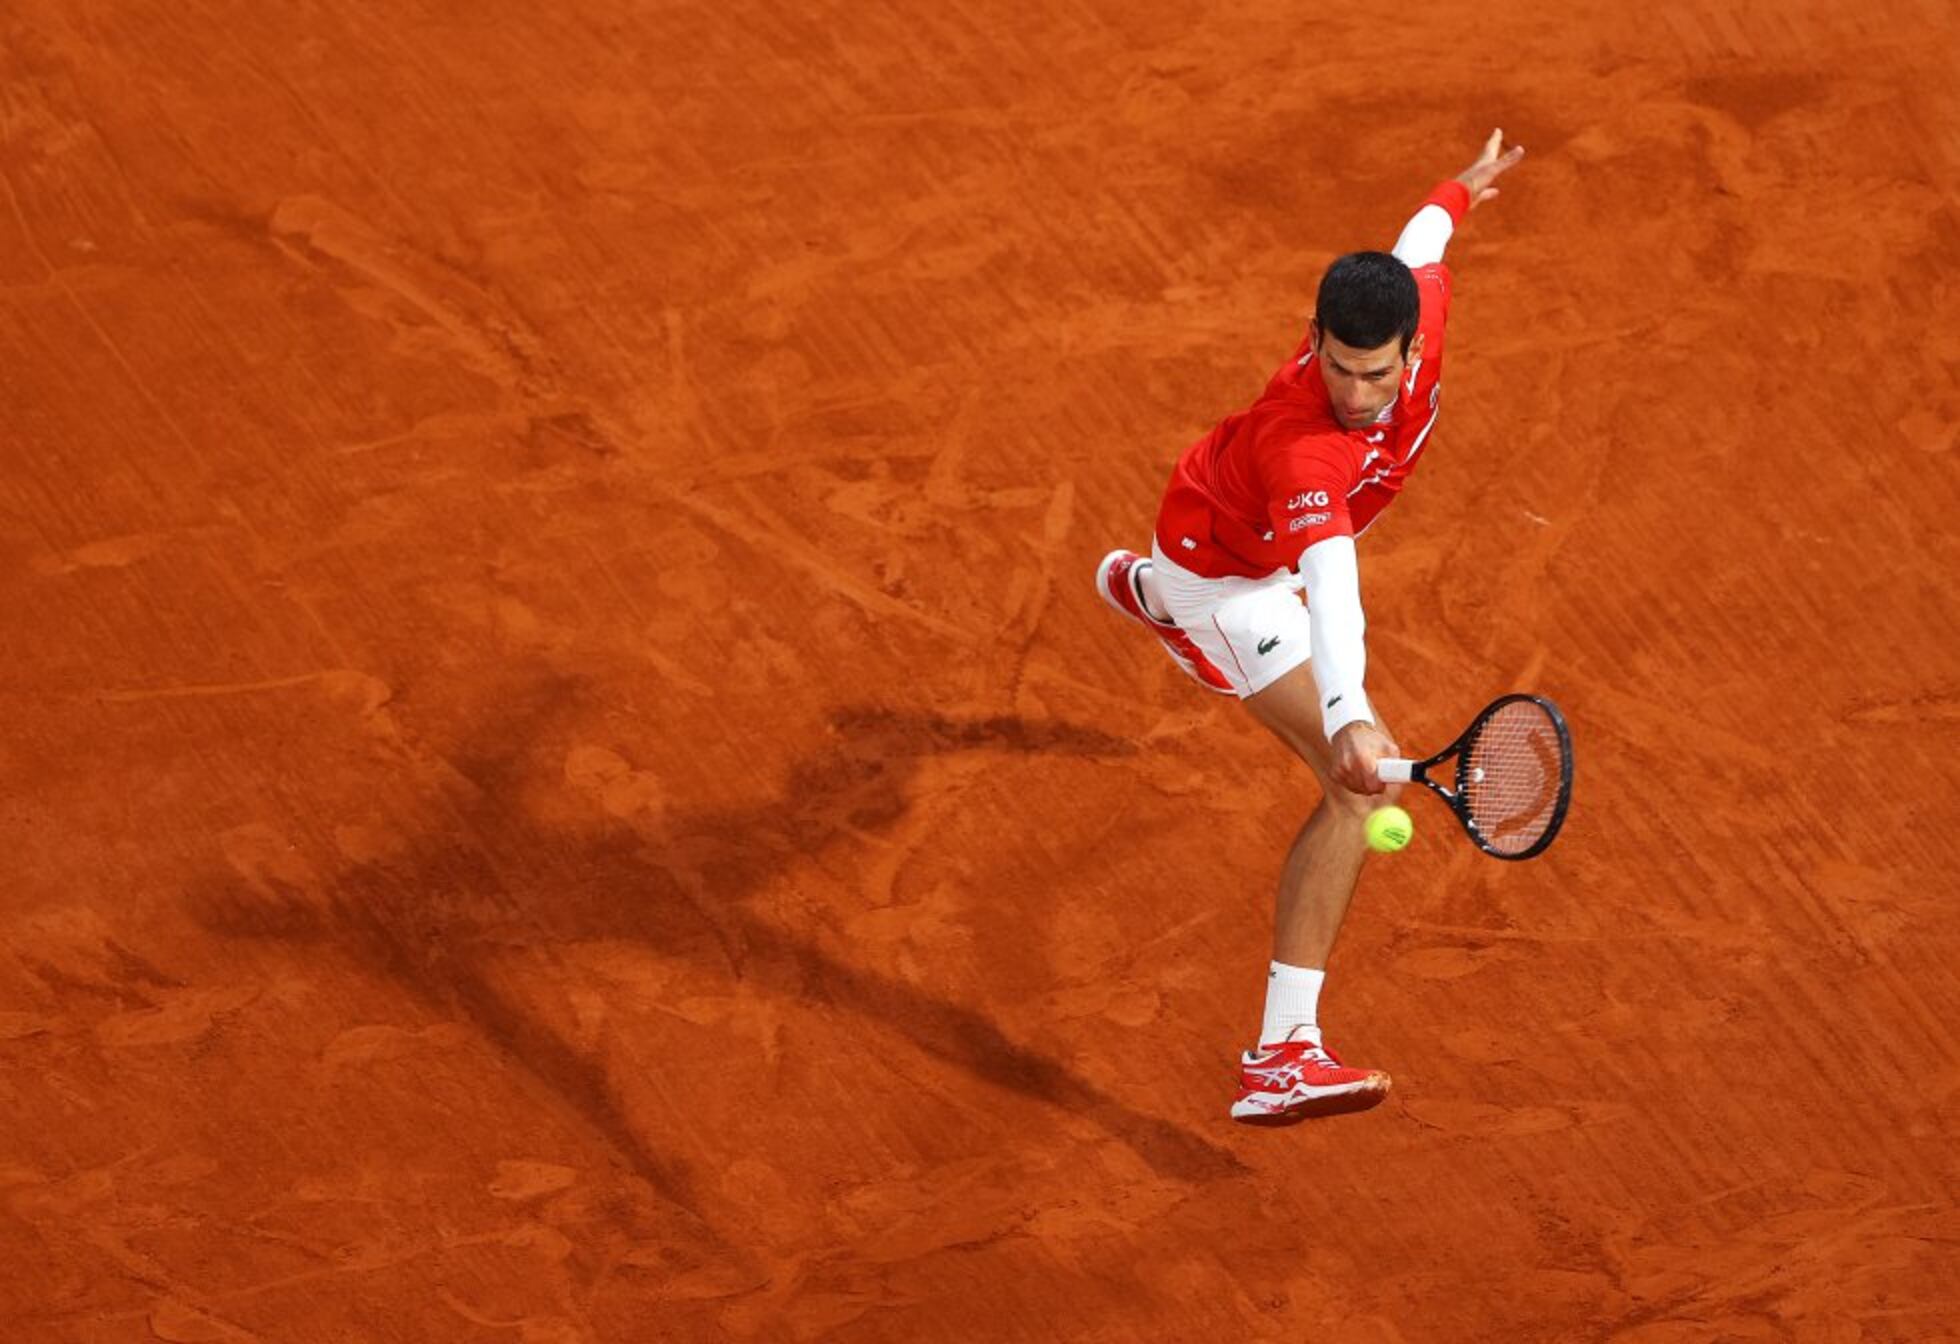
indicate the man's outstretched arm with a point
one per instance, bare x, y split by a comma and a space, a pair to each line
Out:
1426, 234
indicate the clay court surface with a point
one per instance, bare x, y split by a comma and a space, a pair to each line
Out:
563, 779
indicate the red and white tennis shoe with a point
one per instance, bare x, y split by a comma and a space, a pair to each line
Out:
1295, 1079
1116, 580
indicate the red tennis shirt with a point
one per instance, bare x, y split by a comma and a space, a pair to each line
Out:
1272, 480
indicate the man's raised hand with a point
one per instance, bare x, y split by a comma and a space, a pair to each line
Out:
1492, 164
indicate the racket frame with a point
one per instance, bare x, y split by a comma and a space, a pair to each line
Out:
1396, 771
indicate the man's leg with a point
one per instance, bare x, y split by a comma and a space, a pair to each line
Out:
1240, 626
1293, 1074
1321, 869
1256, 632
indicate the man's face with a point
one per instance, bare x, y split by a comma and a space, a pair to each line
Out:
1360, 382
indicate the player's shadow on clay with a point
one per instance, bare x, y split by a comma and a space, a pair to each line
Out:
434, 916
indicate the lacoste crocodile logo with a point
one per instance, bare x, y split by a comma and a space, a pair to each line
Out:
1268, 645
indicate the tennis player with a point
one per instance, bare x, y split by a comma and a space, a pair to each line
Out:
1263, 512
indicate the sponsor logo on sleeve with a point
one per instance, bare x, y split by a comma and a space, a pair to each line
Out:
1307, 499
1307, 520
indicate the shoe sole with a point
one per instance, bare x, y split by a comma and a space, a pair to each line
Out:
1320, 1102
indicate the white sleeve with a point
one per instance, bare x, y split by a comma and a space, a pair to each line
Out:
1424, 237
1340, 658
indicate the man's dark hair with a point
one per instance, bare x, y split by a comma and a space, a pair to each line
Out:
1367, 299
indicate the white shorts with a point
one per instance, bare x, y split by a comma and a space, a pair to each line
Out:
1255, 631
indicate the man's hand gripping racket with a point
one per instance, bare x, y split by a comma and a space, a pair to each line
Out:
1509, 776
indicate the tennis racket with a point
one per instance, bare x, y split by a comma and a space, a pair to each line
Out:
1511, 777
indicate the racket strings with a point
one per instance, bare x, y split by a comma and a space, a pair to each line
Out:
1512, 784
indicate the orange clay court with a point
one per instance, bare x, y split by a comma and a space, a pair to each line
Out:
565, 780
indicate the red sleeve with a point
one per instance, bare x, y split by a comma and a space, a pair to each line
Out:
1307, 492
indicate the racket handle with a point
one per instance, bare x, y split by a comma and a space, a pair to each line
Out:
1394, 771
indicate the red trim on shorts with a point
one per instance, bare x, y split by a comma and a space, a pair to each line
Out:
1243, 676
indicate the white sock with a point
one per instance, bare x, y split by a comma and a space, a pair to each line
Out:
1292, 1003
1147, 594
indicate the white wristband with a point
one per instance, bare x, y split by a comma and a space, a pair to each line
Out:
1343, 708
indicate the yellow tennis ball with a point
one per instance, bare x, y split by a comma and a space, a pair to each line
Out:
1389, 829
